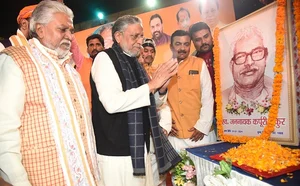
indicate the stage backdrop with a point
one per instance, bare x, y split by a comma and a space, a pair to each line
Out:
264, 20
168, 15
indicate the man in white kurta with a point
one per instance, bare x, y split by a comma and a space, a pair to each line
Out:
190, 97
46, 134
119, 91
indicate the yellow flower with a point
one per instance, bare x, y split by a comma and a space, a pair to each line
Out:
179, 181
240, 110
260, 109
228, 106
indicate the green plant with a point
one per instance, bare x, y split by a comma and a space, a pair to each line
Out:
184, 172
225, 168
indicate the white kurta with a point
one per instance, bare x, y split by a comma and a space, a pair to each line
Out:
13, 98
115, 100
205, 120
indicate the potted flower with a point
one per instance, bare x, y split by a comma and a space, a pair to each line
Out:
184, 173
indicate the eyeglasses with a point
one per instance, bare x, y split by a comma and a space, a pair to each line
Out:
134, 37
256, 54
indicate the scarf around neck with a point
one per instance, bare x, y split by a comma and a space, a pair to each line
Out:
166, 155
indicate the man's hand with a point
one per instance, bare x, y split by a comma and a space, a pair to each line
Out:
174, 131
163, 89
162, 74
197, 135
164, 131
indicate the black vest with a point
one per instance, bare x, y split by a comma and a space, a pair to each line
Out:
111, 130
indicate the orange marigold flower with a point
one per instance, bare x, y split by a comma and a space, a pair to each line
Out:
264, 155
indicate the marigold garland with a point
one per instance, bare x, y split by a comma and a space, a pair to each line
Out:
277, 84
263, 155
296, 5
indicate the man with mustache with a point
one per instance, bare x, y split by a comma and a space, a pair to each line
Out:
247, 66
124, 111
148, 55
190, 97
46, 132
156, 27
203, 42
95, 44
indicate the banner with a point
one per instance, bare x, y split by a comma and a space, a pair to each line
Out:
213, 12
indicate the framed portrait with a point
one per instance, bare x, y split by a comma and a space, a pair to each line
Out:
247, 60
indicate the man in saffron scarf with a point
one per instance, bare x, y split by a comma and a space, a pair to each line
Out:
20, 39
22, 36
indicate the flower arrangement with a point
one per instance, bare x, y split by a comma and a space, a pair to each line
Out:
264, 155
234, 107
277, 83
184, 173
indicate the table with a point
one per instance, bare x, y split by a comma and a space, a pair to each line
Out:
205, 166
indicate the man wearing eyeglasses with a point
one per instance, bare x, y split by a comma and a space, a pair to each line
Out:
248, 67
124, 110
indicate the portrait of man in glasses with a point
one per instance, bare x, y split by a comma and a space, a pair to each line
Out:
247, 61
247, 66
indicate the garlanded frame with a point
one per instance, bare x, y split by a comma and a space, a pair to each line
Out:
278, 119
